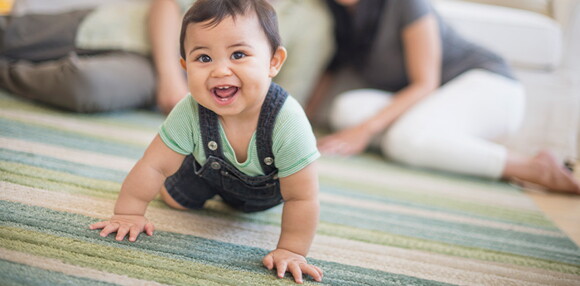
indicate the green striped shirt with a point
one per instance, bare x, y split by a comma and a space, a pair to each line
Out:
294, 144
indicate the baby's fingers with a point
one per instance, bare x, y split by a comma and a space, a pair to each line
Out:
111, 227
312, 270
281, 267
319, 272
99, 225
149, 228
134, 233
294, 268
122, 232
268, 261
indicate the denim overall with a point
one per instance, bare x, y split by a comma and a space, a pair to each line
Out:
193, 184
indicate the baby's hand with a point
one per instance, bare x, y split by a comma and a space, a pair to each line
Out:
284, 260
123, 225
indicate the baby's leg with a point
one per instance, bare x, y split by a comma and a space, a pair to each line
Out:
170, 201
185, 189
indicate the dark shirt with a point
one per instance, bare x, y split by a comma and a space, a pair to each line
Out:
379, 57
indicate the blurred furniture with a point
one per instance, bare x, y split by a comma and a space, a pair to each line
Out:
541, 40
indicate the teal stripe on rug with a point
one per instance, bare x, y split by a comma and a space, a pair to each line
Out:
71, 140
18, 274
186, 247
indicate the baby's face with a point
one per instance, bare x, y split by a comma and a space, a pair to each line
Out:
230, 66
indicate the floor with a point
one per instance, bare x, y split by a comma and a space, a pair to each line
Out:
562, 209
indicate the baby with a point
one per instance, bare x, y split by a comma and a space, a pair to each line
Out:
237, 135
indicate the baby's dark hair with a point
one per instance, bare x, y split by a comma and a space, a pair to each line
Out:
216, 11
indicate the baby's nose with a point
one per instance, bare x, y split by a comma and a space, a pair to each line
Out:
221, 69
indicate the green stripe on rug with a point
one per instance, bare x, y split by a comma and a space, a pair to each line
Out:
42, 178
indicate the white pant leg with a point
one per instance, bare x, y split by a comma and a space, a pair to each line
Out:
453, 128
355, 106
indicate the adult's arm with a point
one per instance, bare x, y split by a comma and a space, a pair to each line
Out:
164, 28
318, 95
422, 45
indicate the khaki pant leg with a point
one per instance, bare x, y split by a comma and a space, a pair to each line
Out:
96, 83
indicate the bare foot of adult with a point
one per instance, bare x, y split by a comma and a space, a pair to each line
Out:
549, 173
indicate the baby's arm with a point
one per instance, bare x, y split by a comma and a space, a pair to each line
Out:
139, 188
299, 221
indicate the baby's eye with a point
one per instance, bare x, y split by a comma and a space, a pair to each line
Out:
238, 55
203, 59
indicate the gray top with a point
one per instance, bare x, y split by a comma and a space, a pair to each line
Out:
385, 66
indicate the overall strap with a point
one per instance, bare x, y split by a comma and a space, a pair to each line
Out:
270, 108
209, 127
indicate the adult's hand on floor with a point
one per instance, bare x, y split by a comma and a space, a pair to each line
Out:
347, 142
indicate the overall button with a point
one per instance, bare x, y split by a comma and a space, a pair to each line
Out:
215, 165
212, 145
268, 161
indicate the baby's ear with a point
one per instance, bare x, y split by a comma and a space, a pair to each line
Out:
277, 61
183, 65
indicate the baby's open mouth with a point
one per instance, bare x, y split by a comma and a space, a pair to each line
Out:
224, 93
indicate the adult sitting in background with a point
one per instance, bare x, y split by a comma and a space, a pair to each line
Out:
99, 59
432, 99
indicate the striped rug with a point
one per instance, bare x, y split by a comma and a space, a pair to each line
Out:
381, 224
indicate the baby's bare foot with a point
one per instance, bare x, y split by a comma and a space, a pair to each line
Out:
553, 175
